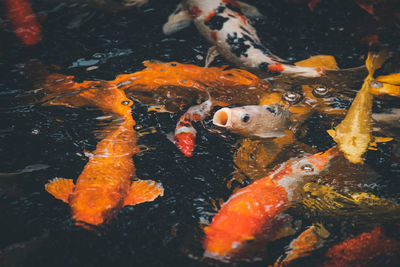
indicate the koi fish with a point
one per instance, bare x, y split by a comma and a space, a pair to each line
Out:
27, 169
24, 21
185, 133
105, 184
353, 134
256, 211
258, 121
373, 248
224, 24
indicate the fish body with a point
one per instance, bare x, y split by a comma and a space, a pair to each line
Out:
257, 211
185, 133
27, 169
24, 21
264, 121
106, 183
224, 24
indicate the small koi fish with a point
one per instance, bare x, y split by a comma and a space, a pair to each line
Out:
24, 21
185, 133
256, 212
224, 24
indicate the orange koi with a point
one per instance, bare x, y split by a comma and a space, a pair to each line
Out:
24, 21
185, 133
226, 86
255, 212
105, 184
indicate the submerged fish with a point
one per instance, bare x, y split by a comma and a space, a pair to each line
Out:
373, 248
256, 211
24, 21
258, 121
29, 168
185, 133
224, 24
105, 184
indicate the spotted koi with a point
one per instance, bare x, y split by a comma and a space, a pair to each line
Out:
224, 23
185, 133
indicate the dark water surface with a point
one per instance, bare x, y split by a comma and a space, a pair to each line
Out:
35, 228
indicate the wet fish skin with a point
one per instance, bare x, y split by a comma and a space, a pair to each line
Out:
224, 24
263, 121
257, 210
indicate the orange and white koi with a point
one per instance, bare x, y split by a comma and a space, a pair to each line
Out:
256, 212
224, 24
185, 133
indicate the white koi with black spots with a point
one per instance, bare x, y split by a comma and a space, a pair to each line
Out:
224, 24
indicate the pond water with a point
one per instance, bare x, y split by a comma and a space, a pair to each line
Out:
95, 44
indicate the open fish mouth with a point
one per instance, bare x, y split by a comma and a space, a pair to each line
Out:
222, 118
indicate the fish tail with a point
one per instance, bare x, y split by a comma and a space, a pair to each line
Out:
375, 61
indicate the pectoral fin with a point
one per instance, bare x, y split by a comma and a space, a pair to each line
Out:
177, 21
249, 10
310, 240
60, 188
270, 134
143, 191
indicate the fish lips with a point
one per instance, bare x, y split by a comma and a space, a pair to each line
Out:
222, 118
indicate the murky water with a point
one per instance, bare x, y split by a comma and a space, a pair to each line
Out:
36, 229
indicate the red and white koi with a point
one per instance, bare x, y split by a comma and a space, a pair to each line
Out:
224, 24
256, 212
185, 133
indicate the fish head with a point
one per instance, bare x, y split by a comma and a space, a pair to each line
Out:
253, 120
314, 164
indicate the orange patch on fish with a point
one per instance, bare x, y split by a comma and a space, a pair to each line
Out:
194, 12
244, 216
210, 15
185, 142
276, 68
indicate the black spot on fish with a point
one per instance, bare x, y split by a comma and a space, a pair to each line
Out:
257, 45
237, 44
233, 8
244, 29
231, 16
220, 9
263, 66
216, 22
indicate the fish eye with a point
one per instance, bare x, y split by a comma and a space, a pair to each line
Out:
307, 167
245, 117
376, 84
291, 97
125, 102
320, 91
